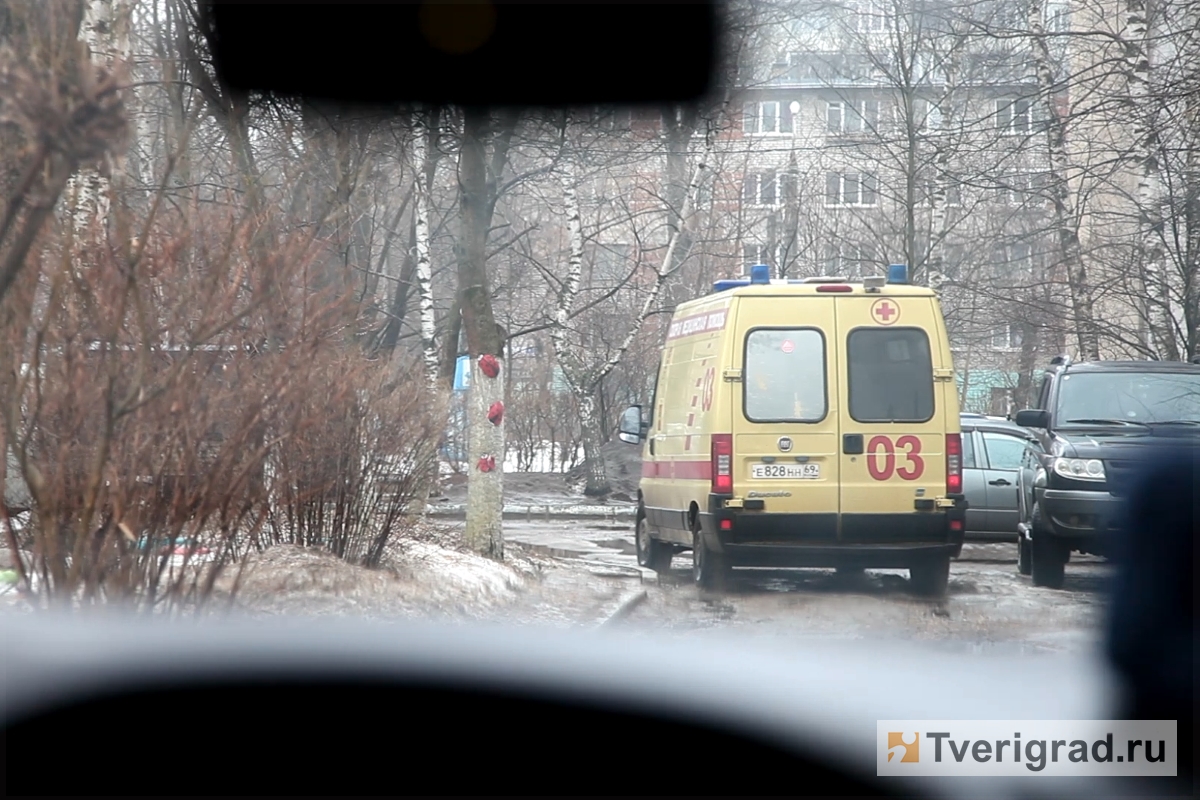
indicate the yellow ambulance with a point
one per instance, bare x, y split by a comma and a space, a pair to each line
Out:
803, 423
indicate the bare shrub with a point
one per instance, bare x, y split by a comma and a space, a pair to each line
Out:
362, 449
146, 379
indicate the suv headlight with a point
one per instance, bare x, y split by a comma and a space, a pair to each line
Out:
1080, 469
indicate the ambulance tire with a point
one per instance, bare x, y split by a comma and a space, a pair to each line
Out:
709, 570
930, 577
651, 553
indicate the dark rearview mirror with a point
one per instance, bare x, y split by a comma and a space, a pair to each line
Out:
1033, 418
462, 53
630, 430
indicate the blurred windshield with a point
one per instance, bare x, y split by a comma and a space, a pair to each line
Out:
265, 355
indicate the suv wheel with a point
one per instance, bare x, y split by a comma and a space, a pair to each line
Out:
651, 553
709, 569
1049, 555
930, 578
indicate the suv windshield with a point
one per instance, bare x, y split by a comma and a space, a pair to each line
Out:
1119, 397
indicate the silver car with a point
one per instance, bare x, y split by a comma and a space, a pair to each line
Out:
993, 450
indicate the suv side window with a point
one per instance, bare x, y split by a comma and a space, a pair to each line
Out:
1044, 394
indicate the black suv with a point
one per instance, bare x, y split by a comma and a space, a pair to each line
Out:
1097, 422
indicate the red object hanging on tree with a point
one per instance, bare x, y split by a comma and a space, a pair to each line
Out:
496, 413
489, 365
486, 463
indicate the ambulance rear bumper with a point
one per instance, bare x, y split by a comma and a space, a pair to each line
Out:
883, 541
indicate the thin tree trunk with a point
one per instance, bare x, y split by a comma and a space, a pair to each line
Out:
585, 379
1150, 251
1066, 216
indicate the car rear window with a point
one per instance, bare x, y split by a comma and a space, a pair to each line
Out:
785, 375
890, 375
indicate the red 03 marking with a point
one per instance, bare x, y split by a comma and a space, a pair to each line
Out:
706, 399
882, 446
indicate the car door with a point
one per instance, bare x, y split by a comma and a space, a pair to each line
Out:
974, 483
1004, 453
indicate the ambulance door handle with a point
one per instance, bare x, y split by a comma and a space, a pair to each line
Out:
653, 439
852, 444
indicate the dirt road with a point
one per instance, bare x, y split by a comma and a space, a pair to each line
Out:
989, 606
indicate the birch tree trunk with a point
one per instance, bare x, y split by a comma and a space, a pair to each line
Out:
1144, 158
105, 31
421, 163
1066, 216
935, 272
1190, 257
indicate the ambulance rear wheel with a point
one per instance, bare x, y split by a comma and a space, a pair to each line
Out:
709, 570
652, 553
930, 577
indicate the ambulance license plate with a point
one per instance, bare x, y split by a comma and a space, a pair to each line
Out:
800, 472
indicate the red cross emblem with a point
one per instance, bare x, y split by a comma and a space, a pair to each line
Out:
884, 311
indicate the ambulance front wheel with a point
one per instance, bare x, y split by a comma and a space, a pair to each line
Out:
651, 553
709, 570
930, 577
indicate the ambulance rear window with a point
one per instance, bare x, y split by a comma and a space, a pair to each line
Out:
890, 375
785, 375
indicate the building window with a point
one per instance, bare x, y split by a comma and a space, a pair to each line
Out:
753, 254
871, 17
1058, 18
1009, 261
1024, 188
926, 115
610, 265
928, 187
851, 189
1006, 337
768, 188
846, 259
1014, 117
767, 117
855, 116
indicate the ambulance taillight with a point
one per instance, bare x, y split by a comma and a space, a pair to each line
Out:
722, 463
954, 478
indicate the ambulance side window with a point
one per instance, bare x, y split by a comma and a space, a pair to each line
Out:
890, 375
